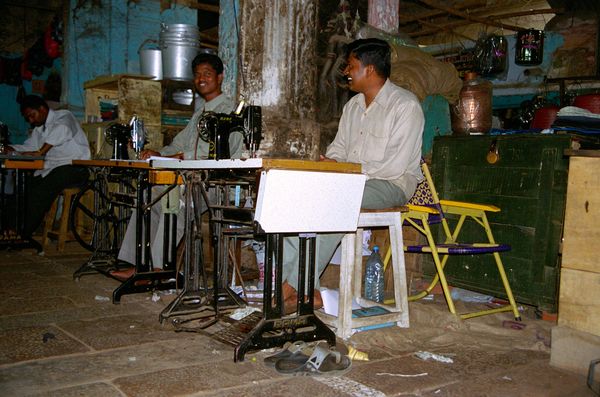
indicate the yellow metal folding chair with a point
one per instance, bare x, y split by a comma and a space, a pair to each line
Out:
424, 209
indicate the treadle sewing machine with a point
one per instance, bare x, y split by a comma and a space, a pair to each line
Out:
111, 207
295, 197
13, 189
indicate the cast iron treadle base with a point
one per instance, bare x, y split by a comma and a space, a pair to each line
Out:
143, 282
20, 244
186, 303
103, 265
235, 333
190, 302
273, 332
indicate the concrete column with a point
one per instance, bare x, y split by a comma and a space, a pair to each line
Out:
383, 14
277, 54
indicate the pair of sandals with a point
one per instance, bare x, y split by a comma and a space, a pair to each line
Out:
309, 359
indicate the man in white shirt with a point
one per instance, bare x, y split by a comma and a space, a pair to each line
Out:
58, 137
381, 128
208, 76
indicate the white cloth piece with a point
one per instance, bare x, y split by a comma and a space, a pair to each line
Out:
331, 298
336, 259
157, 234
576, 111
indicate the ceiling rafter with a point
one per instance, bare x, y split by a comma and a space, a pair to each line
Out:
447, 29
485, 21
405, 18
436, 27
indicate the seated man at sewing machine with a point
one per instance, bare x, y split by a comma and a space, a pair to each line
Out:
189, 144
381, 128
58, 137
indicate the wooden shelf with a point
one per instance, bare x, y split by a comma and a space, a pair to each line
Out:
111, 82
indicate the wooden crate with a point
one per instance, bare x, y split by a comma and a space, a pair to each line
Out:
579, 297
582, 215
134, 94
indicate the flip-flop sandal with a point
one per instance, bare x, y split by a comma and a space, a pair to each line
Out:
322, 362
297, 350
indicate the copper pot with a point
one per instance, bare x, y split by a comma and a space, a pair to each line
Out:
473, 111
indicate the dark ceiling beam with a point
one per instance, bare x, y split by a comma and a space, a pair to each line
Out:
209, 37
205, 7
405, 18
447, 29
31, 6
166, 4
468, 17
475, 10
436, 27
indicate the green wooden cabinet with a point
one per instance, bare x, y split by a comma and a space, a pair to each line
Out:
528, 182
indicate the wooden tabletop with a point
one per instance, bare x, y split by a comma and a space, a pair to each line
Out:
21, 162
143, 164
258, 163
162, 171
582, 153
23, 165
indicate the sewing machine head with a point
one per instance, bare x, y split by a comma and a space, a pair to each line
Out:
120, 136
215, 128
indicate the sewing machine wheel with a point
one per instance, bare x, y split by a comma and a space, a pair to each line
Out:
98, 216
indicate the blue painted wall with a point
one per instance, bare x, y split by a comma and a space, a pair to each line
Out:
516, 86
437, 121
104, 39
101, 38
9, 108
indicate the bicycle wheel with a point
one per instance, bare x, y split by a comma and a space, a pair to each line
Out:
99, 216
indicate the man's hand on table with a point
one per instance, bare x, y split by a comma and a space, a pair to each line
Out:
146, 154
323, 158
35, 153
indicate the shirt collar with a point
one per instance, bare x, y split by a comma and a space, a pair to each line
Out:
214, 103
49, 119
51, 116
381, 96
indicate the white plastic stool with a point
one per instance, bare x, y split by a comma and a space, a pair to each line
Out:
351, 276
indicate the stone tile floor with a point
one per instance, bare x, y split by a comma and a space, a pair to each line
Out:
59, 337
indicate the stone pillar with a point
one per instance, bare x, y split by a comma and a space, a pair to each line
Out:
277, 54
383, 14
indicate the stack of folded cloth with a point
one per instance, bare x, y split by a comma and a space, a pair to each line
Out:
108, 109
573, 118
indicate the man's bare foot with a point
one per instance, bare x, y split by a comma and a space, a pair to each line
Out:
290, 298
123, 274
318, 301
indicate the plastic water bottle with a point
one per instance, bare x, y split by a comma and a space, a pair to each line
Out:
374, 287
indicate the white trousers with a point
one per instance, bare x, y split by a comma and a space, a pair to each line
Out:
157, 231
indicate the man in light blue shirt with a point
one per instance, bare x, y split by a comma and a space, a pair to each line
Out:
208, 76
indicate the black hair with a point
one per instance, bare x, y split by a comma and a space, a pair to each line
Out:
32, 102
212, 59
374, 52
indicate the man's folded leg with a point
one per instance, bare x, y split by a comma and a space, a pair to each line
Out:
326, 245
